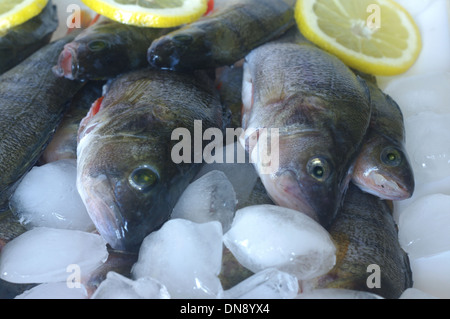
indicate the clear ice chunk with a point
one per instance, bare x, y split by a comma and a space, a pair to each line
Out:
209, 198
266, 236
48, 197
266, 284
117, 286
44, 255
185, 257
54, 290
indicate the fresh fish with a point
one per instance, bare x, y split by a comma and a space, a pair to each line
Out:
229, 84
369, 256
64, 142
21, 41
126, 175
382, 167
223, 37
321, 111
32, 104
106, 49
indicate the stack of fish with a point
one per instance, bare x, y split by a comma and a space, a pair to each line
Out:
340, 138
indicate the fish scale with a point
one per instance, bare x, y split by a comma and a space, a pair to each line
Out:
32, 103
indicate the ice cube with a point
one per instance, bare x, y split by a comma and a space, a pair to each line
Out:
266, 236
414, 293
54, 290
266, 284
431, 274
427, 136
209, 198
441, 186
44, 255
116, 286
237, 167
421, 93
423, 228
48, 197
183, 256
336, 293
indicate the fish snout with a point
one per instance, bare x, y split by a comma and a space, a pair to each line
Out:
67, 65
162, 54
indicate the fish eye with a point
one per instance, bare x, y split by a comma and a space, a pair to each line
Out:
97, 45
390, 156
143, 178
184, 39
319, 168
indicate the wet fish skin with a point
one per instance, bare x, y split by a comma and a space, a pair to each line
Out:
32, 103
365, 234
23, 40
223, 37
322, 111
64, 142
105, 50
229, 84
126, 176
383, 168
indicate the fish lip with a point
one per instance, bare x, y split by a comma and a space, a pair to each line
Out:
107, 220
67, 65
399, 192
278, 190
163, 54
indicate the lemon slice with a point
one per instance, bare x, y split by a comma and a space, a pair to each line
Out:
15, 12
150, 13
374, 36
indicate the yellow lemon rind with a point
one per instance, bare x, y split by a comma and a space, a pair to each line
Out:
157, 18
21, 13
307, 23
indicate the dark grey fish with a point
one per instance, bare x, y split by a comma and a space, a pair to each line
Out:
223, 37
127, 176
21, 41
32, 104
106, 49
365, 235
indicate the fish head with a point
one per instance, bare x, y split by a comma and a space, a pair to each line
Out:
91, 49
185, 44
307, 178
123, 183
383, 169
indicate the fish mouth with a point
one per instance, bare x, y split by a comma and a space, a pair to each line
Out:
386, 187
105, 215
67, 65
285, 191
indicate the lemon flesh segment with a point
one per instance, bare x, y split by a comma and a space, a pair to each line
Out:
16, 12
150, 13
388, 46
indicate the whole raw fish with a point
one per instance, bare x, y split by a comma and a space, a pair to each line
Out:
382, 167
21, 41
369, 256
64, 142
223, 37
32, 104
127, 177
321, 110
106, 49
